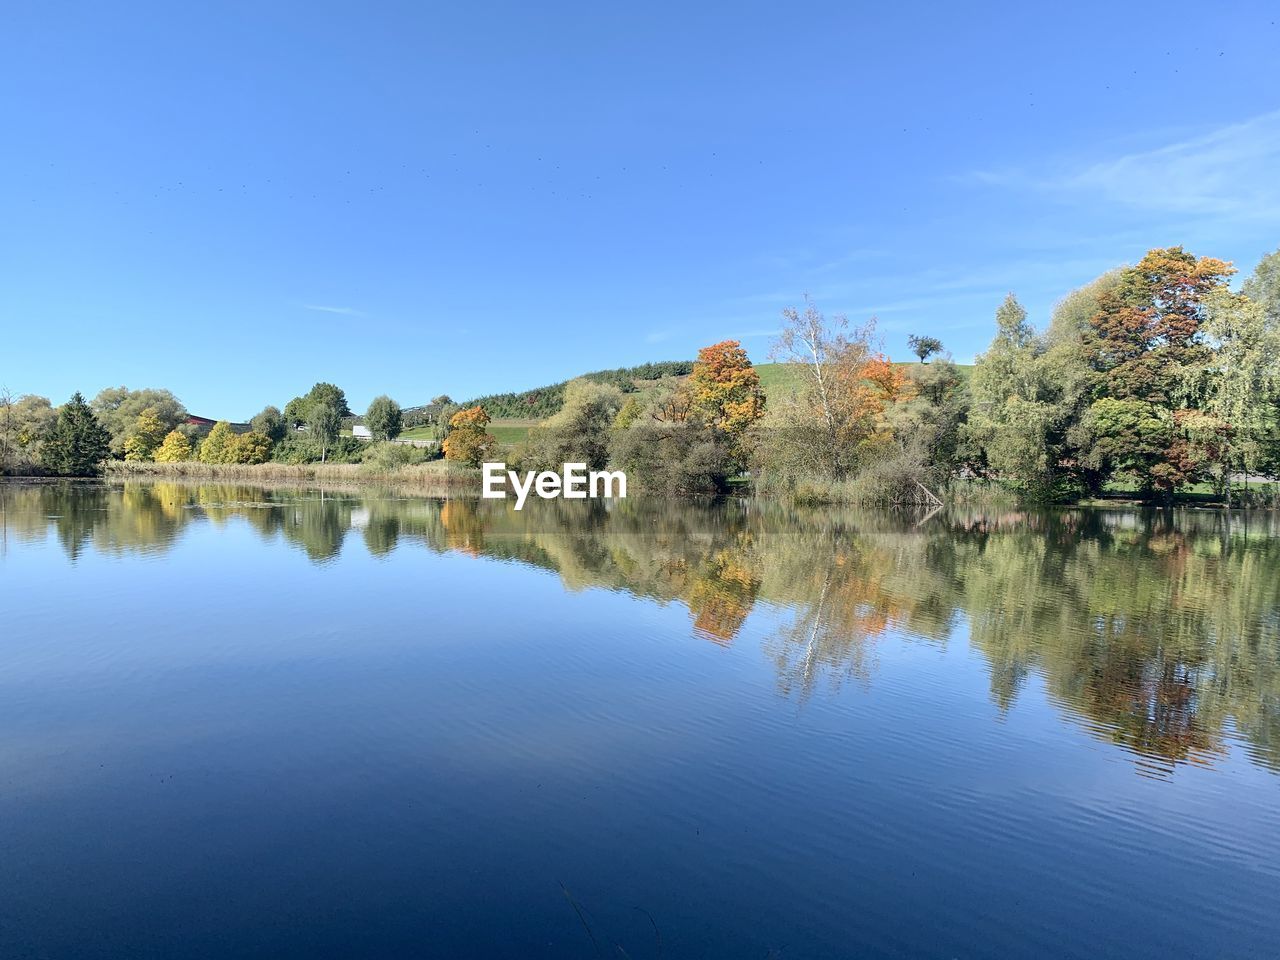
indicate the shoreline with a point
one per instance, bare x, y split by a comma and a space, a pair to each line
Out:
442, 478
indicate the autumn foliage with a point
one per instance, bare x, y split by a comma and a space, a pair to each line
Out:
176, 448
726, 388
468, 442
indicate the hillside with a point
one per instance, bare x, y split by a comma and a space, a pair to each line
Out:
516, 412
542, 402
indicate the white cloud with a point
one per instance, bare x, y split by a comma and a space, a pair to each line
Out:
345, 311
1227, 173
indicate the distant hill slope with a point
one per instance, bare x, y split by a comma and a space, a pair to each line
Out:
542, 402
514, 413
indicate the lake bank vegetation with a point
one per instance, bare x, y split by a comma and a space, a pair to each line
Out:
1154, 381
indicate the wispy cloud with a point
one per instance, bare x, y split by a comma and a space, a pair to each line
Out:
1226, 173
345, 311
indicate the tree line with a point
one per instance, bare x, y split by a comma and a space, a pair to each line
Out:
546, 401
152, 425
1150, 378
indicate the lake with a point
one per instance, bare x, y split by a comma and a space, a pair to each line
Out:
242, 722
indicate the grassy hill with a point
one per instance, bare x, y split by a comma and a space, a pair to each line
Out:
778, 380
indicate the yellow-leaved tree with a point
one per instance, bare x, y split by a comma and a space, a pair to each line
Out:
214, 448
146, 437
252, 447
176, 448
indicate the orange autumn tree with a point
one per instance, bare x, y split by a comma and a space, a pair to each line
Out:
725, 388
468, 442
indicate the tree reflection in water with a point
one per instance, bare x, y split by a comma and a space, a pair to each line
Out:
1157, 631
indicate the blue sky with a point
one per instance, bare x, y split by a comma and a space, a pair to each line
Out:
235, 200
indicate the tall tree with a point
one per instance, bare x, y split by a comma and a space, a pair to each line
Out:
468, 442
78, 443
298, 410
726, 389
147, 435
175, 448
838, 417
216, 447
24, 425
271, 423
1144, 345
1238, 385
384, 418
323, 423
118, 408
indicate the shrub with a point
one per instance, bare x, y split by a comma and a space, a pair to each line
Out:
252, 447
392, 456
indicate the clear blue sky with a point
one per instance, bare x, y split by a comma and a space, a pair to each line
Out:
234, 200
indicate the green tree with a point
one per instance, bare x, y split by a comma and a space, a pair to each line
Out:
78, 443
924, 347
929, 419
1263, 287
323, 423
1028, 395
118, 409
1010, 419
270, 422
1239, 382
24, 425
384, 418
579, 433
216, 446
298, 410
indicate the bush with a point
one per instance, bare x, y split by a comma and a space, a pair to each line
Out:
392, 456
250, 447
672, 457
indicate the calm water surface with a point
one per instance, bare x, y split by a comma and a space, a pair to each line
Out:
249, 723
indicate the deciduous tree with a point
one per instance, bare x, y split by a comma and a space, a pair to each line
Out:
323, 423
271, 423
384, 418
468, 442
924, 347
147, 434
251, 447
118, 408
298, 410
837, 420
175, 448
579, 433
215, 448
725, 388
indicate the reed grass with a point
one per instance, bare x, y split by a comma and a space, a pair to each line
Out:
437, 475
